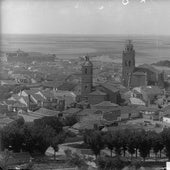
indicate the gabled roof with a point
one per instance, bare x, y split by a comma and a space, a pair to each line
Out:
48, 94
37, 97
106, 104
32, 91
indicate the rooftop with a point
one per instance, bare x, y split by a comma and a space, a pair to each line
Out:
46, 112
106, 104
97, 92
149, 67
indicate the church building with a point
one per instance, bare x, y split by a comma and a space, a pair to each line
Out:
99, 93
143, 75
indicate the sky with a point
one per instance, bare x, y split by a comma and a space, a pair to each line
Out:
85, 17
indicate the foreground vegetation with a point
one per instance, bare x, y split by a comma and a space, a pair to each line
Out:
36, 137
138, 143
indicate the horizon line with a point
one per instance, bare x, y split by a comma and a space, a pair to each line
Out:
79, 34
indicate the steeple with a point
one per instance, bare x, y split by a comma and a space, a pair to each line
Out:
128, 63
87, 77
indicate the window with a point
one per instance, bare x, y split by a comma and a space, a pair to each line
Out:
125, 63
85, 70
129, 63
85, 87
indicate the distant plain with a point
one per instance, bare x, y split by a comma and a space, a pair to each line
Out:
149, 49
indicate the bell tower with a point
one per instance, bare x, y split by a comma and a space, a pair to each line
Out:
128, 63
86, 77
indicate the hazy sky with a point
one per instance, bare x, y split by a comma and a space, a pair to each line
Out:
85, 16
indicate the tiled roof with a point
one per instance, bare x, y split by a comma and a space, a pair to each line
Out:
128, 109
138, 73
38, 97
149, 67
106, 103
89, 124
67, 86
97, 92
53, 84
86, 112
46, 112
150, 109
110, 87
166, 108
152, 90
110, 116
48, 94
136, 101
32, 91
72, 110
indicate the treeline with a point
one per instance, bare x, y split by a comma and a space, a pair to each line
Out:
36, 137
138, 143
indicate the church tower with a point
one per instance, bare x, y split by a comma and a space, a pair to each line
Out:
128, 63
86, 77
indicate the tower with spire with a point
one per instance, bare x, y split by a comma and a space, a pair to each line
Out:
86, 77
128, 63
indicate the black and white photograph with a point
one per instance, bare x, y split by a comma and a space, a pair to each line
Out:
84, 85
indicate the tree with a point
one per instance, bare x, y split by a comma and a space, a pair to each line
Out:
12, 137
95, 141
115, 163
109, 140
51, 121
4, 159
76, 160
131, 145
144, 147
166, 141
40, 138
56, 141
70, 120
157, 144
118, 142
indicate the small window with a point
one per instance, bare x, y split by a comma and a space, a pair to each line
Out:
85, 70
129, 63
85, 87
125, 63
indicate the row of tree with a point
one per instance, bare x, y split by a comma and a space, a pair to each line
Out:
35, 137
133, 142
